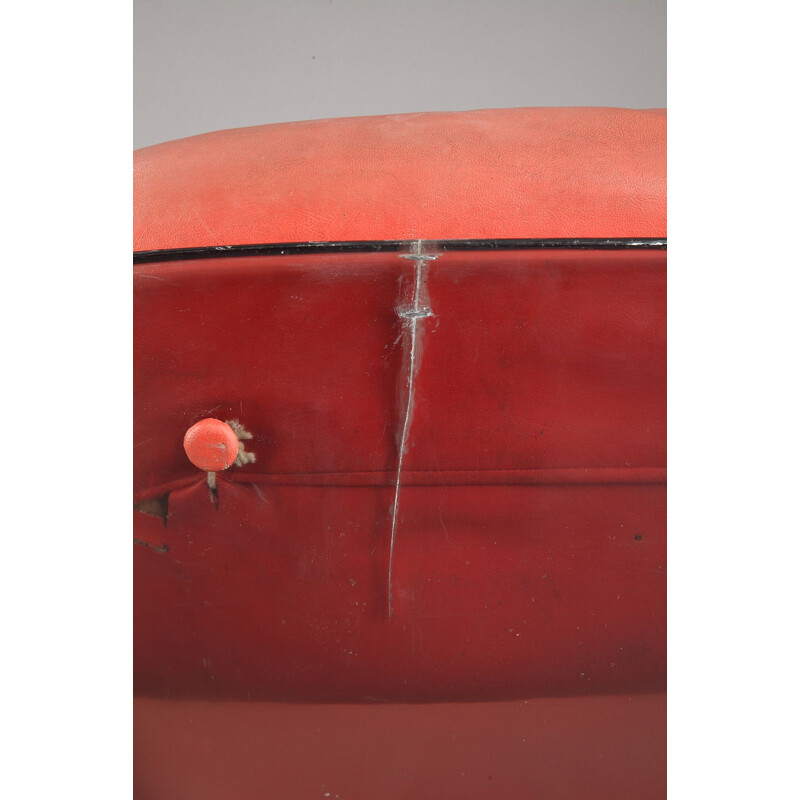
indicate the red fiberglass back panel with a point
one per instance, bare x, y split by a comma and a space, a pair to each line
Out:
523, 545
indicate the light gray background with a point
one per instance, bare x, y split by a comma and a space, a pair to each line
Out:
203, 65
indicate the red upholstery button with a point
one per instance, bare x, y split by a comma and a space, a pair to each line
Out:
212, 445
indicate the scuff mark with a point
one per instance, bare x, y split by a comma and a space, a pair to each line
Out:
444, 527
156, 548
259, 492
213, 492
411, 314
154, 507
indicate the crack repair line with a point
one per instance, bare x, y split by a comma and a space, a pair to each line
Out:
412, 316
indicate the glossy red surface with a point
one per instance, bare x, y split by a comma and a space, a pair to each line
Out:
530, 546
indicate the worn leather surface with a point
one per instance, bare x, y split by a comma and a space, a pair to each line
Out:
530, 551
549, 749
531, 534
500, 173
531, 542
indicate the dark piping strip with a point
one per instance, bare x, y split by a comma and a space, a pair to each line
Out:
453, 245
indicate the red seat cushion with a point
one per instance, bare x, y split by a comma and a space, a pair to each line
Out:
503, 173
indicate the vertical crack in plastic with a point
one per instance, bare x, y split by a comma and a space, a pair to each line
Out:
411, 315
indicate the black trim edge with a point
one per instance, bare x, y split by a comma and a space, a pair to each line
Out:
398, 246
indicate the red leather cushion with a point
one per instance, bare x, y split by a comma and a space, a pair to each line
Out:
502, 173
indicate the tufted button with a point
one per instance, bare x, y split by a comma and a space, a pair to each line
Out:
212, 445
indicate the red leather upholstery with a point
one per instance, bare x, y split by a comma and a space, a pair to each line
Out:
531, 542
503, 173
605, 748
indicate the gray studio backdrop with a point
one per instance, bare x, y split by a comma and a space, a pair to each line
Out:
203, 65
